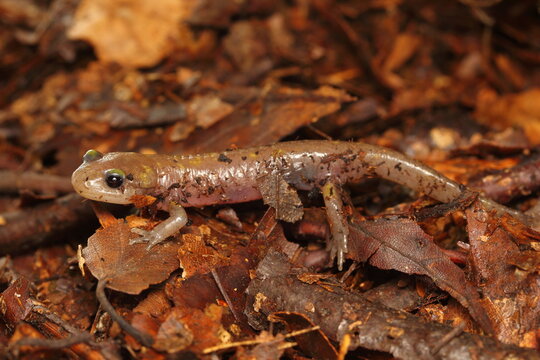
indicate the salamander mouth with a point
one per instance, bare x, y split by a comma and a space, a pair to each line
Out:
77, 181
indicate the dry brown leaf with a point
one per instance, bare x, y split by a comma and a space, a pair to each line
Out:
402, 245
128, 268
140, 201
190, 327
510, 292
266, 116
405, 46
504, 111
132, 33
196, 257
208, 109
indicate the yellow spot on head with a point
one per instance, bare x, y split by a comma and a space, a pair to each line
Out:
146, 176
195, 161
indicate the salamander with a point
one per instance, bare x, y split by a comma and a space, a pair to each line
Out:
273, 173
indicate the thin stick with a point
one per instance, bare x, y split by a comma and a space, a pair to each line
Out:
55, 319
83, 337
348, 273
455, 332
256, 341
140, 336
321, 133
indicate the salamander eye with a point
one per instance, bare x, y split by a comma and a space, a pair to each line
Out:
114, 177
92, 155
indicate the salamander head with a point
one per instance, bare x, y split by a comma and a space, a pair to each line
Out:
114, 177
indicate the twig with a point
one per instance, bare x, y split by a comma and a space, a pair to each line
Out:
344, 346
321, 133
14, 181
140, 336
480, 3
40, 309
256, 341
455, 332
82, 337
348, 273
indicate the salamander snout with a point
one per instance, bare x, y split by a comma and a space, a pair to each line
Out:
114, 177
95, 184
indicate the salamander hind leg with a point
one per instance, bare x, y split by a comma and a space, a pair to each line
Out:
177, 219
337, 219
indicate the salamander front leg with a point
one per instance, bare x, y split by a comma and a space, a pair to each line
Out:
337, 218
177, 219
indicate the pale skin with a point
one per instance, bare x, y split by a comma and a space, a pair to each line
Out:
272, 173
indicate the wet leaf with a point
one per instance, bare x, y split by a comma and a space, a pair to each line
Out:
208, 109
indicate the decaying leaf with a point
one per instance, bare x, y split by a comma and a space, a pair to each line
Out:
140, 201
400, 244
196, 257
190, 327
508, 276
128, 268
456, 85
173, 335
280, 195
14, 302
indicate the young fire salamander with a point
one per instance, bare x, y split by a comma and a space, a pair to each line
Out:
272, 173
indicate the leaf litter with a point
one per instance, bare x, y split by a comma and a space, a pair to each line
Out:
454, 85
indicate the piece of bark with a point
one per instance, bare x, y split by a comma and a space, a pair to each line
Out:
369, 325
505, 185
13, 182
60, 219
